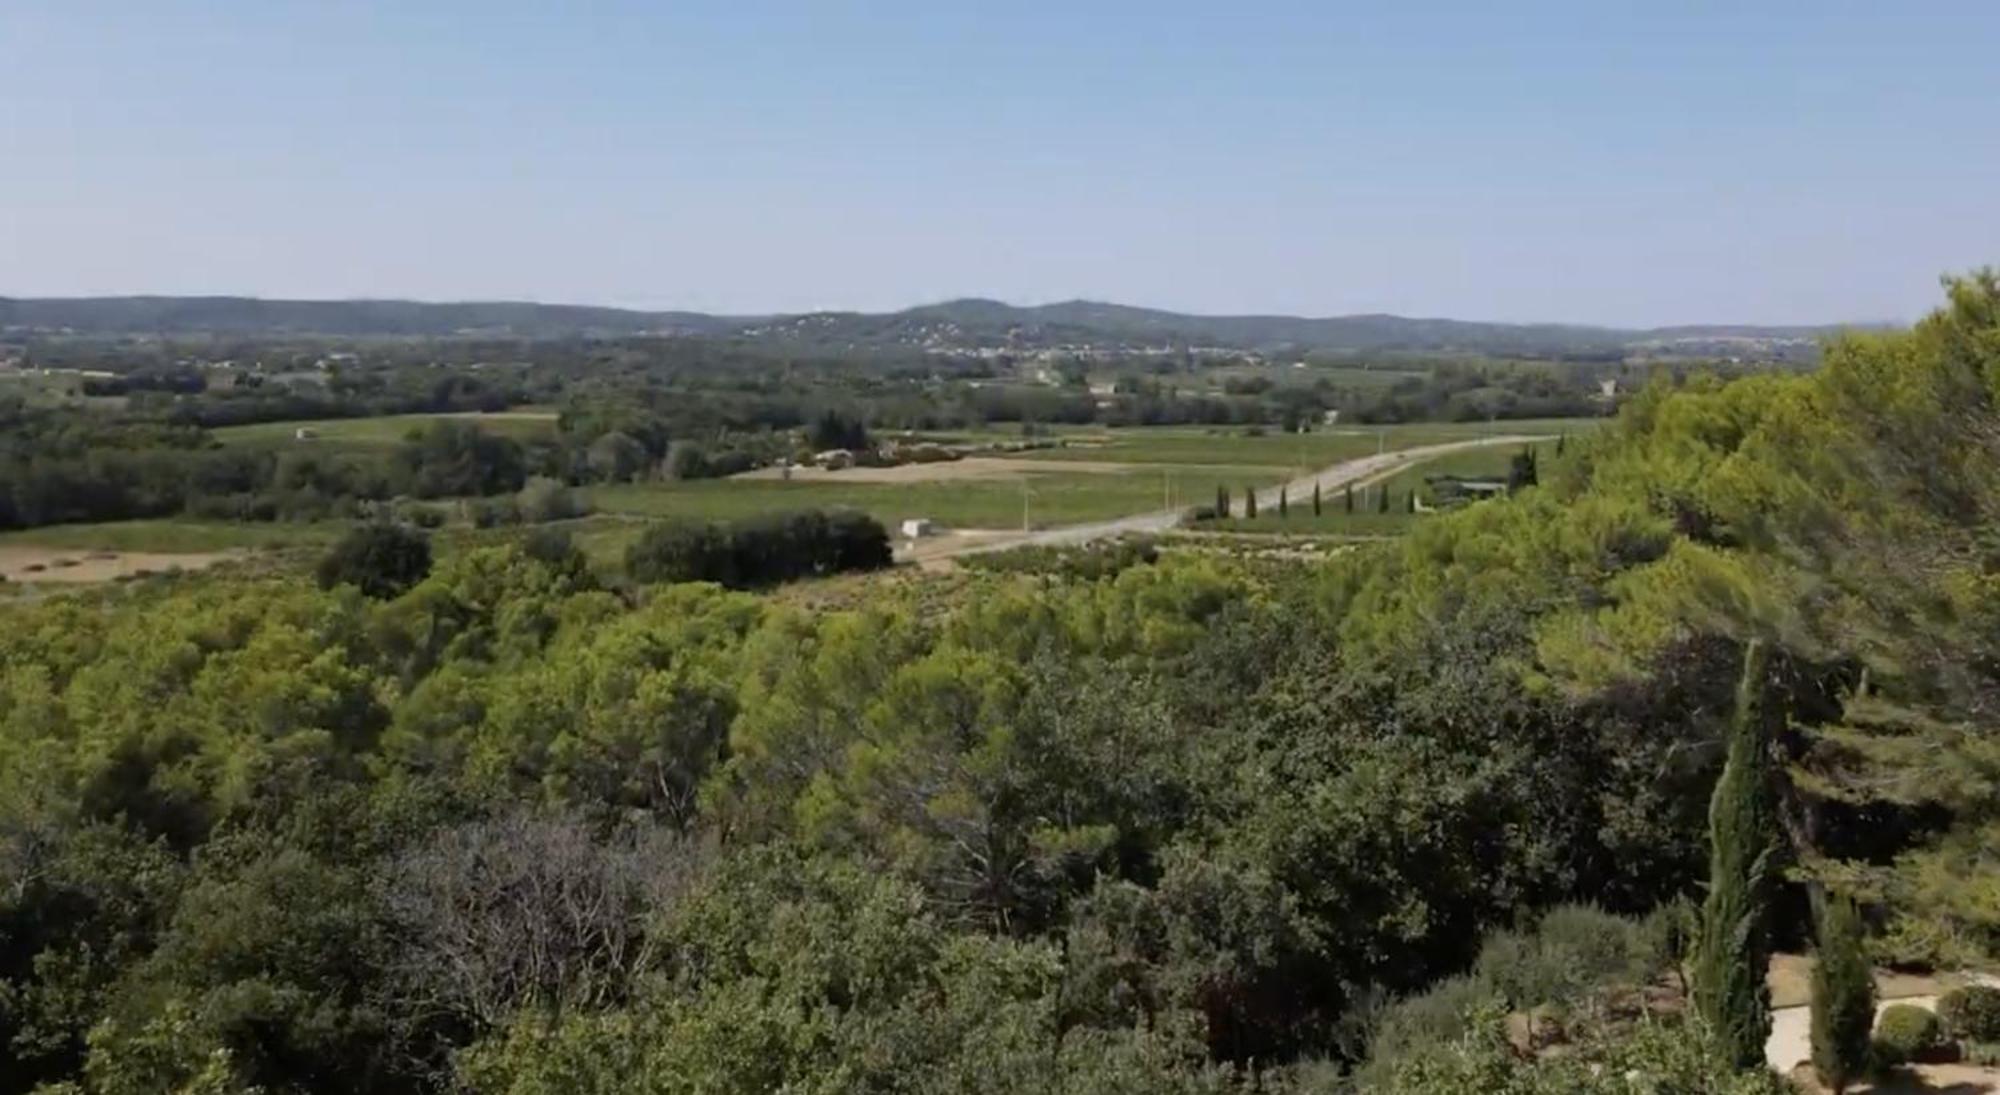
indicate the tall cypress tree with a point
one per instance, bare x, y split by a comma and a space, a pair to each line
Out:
1221, 500
1315, 499
1735, 947
1843, 996
1382, 500
1284, 505
1350, 498
1250, 502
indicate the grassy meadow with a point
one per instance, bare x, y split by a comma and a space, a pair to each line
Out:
386, 431
1367, 519
1235, 445
1054, 498
1167, 467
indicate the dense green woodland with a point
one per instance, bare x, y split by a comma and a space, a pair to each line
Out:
1184, 825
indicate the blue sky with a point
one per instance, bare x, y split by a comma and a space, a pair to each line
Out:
1594, 162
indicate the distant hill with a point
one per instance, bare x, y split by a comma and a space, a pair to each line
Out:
956, 324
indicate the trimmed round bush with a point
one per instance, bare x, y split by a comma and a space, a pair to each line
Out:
1971, 1014
1905, 1032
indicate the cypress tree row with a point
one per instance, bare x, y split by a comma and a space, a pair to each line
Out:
1734, 947
1843, 996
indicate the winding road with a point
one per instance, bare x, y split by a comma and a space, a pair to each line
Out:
1356, 472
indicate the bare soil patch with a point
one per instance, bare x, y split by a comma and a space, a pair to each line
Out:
935, 552
41, 564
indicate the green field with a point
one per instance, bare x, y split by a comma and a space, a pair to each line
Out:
1178, 466
1056, 498
1235, 445
387, 430
1367, 520
1345, 376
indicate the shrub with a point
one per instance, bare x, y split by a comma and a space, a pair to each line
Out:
1085, 562
1573, 960
1575, 950
1652, 1056
1972, 1013
419, 514
615, 457
382, 560
494, 512
1983, 1054
545, 499
686, 460
1420, 1025
1905, 1032
554, 547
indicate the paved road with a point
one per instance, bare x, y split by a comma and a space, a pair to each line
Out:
1357, 472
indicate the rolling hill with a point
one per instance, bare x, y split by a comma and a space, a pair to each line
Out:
956, 324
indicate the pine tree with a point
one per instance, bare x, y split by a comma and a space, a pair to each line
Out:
1284, 505
1315, 499
1734, 947
1843, 996
1350, 498
1250, 502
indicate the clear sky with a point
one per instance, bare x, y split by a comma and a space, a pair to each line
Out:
1597, 161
